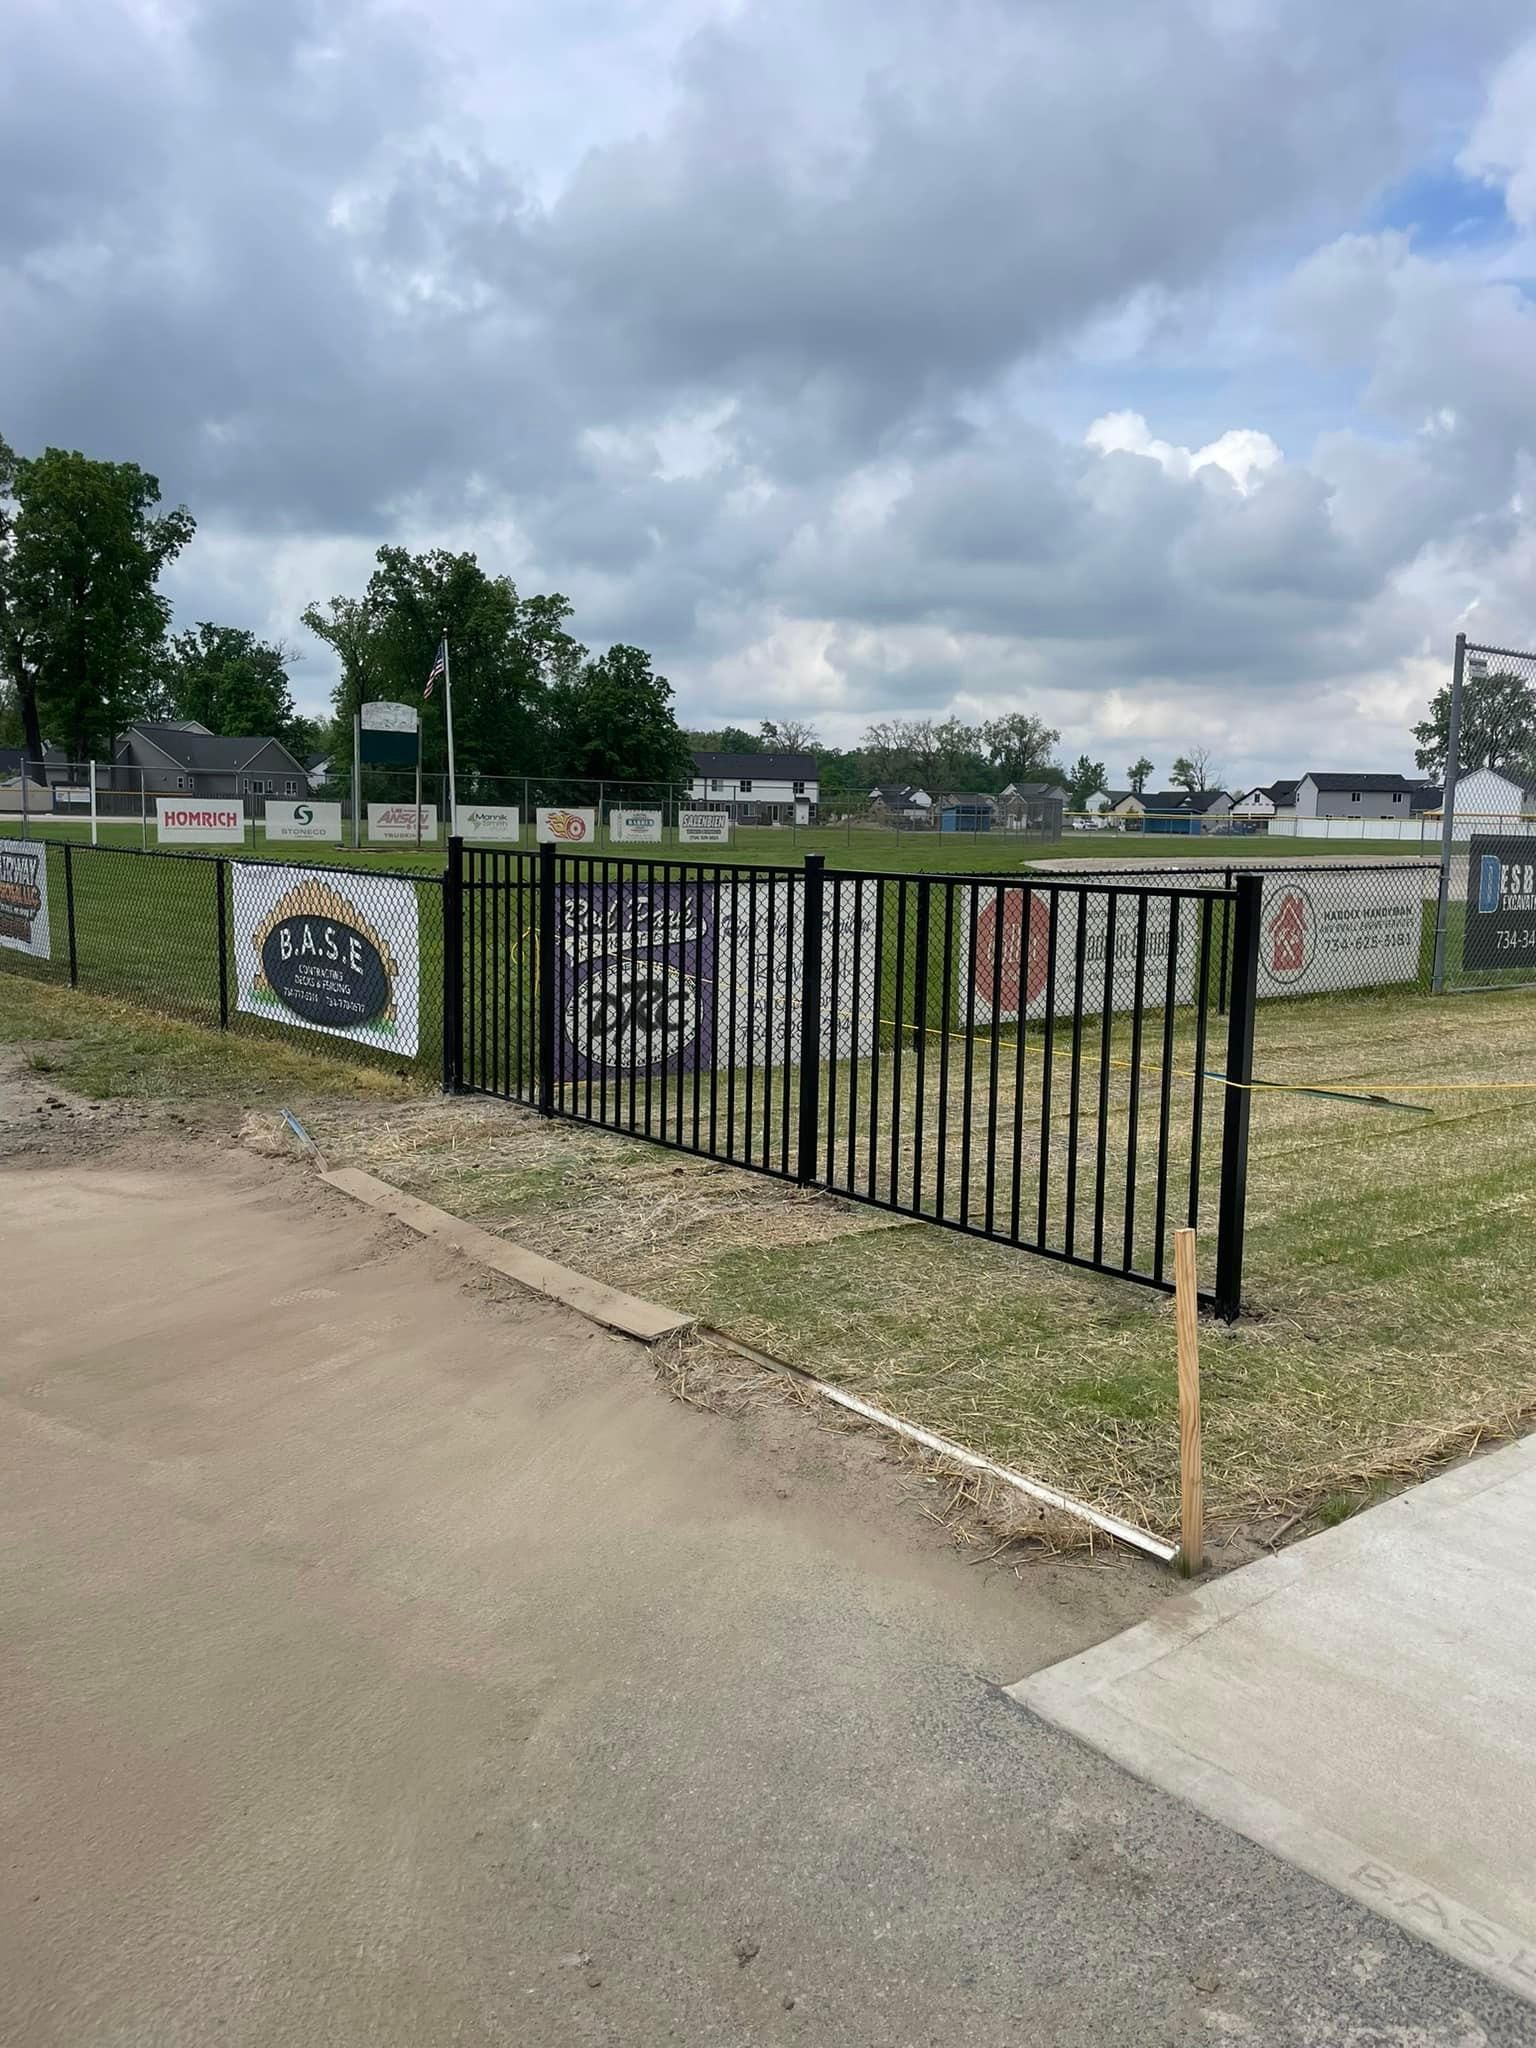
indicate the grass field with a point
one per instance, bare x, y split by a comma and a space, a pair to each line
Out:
1391, 1318
872, 848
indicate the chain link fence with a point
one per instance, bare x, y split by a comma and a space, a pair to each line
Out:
350, 958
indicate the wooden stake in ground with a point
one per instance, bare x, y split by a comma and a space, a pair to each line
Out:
1191, 1479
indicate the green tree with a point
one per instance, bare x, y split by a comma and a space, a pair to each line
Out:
230, 681
728, 739
1498, 726
612, 721
81, 618
506, 653
1136, 775
1022, 748
1191, 771
1086, 779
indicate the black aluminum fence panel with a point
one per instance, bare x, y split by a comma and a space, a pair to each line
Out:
1027, 1061
346, 961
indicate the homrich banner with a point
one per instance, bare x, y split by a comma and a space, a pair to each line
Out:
668, 977
328, 951
24, 897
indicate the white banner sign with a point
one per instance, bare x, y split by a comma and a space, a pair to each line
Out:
558, 826
704, 828
635, 828
487, 821
314, 822
391, 718
200, 821
1339, 930
331, 952
398, 822
24, 897
1013, 973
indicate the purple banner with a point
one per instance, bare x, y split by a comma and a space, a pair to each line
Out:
636, 978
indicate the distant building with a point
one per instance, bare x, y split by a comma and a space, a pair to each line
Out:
317, 772
166, 757
1362, 794
902, 800
1491, 793
758, 789
968, 810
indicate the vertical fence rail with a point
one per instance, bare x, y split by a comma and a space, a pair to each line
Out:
1239, 1096
69, 909
221, 918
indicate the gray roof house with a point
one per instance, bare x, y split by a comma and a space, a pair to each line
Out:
167, 756
1356, 793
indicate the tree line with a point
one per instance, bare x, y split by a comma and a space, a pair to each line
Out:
86, 645
944, 756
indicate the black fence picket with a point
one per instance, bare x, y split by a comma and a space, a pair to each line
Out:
1022, 1060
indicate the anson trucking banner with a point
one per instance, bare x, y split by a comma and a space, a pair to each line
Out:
397, 822
331, 952
24, 896
662, 977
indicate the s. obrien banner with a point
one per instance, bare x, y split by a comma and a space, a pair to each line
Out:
331, 952
704, 828
560, 826
200, 821
24, 897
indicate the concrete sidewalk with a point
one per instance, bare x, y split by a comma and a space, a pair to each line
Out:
1363, 1704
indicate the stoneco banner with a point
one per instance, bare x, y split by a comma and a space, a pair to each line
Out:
313, 823
496, 822
329, 952
704, 828
635, 828
1339, 931
657, 978
398, 822
1012, 963
199, 821
1500, 928
555, 826
24, 897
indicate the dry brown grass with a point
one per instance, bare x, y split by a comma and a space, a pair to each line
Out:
1393, 1322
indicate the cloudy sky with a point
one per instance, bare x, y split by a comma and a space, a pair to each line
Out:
1169, 370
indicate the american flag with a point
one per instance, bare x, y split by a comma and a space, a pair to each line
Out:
438, 668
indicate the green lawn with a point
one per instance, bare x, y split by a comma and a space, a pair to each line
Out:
866, 847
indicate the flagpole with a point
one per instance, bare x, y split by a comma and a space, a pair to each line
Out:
453, 794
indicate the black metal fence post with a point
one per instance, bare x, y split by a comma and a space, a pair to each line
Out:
547, 971
1243, 996
453, 968
69, 909
223, 925
1226, 935
810, 1018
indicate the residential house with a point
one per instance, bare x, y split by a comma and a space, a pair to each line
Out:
1124, 803
1033, 807
1492, 793
42, 783
1185, 810
1426, 802
757, 789
317, 772
166, 757
903, 802
1264, 801
1354, 794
